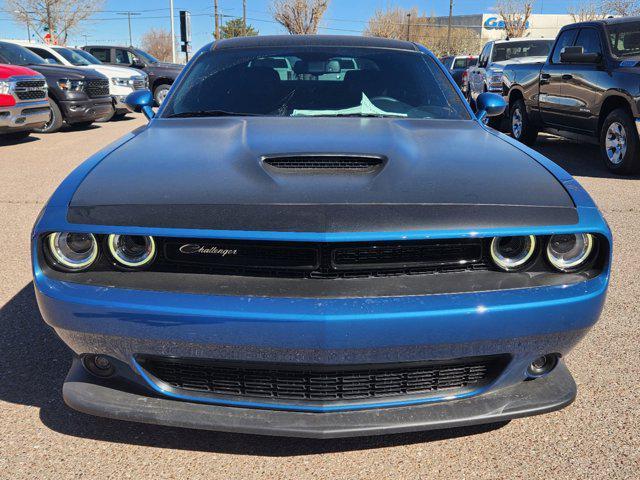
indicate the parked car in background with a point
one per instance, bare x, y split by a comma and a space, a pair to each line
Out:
122, 80
77, 96
486, 76
161, 75
24, 105
589, 87
319, 257
458, 66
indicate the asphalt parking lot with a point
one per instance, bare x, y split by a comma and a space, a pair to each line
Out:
596, 437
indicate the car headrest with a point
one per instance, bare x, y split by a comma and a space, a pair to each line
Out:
632, 41
261, 76
300, 67
371, 82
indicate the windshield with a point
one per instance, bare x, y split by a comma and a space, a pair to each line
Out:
624, 39
72, 56
147, 57
16, 55
507, 51
316, 81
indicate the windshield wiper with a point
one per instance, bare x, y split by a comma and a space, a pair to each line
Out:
212, 113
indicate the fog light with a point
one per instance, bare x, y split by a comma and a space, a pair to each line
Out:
99, 365
542, 365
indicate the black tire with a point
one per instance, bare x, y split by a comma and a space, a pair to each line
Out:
527, 133
120, 116
160, 93
623, 161
14, 136
55, 122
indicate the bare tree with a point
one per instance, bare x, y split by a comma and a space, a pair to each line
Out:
236, 28
516, 14
586, 11
157, 42
299, 16
624, 8
410, 25
57, 17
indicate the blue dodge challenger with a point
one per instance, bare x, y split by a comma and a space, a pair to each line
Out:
315, 236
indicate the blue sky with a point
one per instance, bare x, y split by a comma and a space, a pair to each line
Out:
343, 16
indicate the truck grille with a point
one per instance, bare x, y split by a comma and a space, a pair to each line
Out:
31, 89
318, 260
97, 88
308, 383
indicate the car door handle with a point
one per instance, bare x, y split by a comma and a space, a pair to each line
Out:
545, 76
567, 76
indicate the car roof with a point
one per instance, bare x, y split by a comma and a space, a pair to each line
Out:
519, 39
312, 40
604, 21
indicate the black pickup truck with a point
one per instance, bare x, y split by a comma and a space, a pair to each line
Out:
589, 88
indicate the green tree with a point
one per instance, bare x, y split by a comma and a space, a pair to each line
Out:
235, 28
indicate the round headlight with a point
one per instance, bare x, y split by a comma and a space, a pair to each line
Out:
569, 251
511, 253
73, 251
132, 250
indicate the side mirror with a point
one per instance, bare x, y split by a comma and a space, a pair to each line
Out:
141, 101
577, 55
490, 105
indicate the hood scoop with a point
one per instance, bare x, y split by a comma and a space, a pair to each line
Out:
324, 163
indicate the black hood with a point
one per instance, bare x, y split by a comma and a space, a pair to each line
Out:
64, 71
210, 173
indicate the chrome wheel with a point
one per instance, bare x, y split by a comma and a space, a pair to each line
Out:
616, 143
516, 123
161, 95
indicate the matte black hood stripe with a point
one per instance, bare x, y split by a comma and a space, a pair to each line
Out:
323, 218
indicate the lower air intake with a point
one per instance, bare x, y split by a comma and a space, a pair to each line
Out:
324, 384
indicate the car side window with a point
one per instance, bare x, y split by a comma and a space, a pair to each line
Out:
589, 40
484, 56
565, 39
124, 57
101, 54
45, 54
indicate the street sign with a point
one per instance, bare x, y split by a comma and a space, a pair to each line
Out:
185, 26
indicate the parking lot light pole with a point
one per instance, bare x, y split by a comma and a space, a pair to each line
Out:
173, 34
128, 14
449, 27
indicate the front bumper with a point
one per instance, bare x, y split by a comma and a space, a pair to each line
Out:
76, 111
119, 103
84, 393
24, 116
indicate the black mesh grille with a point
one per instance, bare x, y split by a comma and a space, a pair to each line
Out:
318, 260
328, 162
325, 383
97, 88
30, 89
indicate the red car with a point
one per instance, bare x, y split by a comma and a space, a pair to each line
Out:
24, 104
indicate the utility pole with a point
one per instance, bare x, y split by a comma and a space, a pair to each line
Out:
216, 32
244, 18
173, 34
128, 14
449, 27
408, 26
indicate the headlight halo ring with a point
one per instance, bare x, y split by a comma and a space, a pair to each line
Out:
65, 261
578, 262
117, 255
504, 263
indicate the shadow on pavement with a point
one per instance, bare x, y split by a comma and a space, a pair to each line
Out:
579, 159
6, 140
35, 363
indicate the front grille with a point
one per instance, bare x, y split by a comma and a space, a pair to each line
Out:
30, 89
97, 87
306, 383
324, 163
318, 260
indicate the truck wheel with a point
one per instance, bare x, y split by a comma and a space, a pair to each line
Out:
107, 117
520, 124
619, 143
55, 122
160, 93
